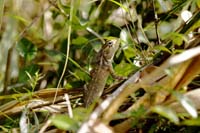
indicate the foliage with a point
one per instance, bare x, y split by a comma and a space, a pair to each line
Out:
48, 48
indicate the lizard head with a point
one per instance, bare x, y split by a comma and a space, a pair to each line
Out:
110, 47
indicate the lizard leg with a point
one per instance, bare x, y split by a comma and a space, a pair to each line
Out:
114, 75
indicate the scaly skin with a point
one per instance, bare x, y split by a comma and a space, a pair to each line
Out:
101, 71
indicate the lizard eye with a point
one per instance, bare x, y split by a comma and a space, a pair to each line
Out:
110, 43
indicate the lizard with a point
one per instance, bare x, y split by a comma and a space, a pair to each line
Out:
102, 69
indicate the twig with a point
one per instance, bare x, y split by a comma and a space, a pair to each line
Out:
7, 72
69, 106
68, 48
58, 8
45, 126
156, 24
95, 34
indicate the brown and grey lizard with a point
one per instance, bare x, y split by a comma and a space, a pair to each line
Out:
102, 69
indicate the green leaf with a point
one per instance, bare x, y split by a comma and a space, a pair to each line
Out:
27, 49
162, 48
4, 129
130, 52
178, 1
119, 4
77, 65
82, 75
64, 122
79, 40
21, 19
178, 51
137, 115
176, 38
79, 112
59, 56
166, 112
32, 69
178, 41
192, 122
124, 68
55, 55
74, 84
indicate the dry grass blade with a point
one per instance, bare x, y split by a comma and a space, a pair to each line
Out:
193, 96
191, 72
41, 100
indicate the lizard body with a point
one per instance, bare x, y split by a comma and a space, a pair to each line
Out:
101, 71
